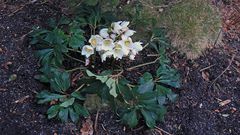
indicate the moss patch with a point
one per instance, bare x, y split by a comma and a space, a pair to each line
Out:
193, 24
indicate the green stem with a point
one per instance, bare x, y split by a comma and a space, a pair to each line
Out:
74, 58
75, 69
151, 39
70, 49
80, 87
144, 64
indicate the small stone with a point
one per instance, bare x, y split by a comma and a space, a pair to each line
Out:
12, 77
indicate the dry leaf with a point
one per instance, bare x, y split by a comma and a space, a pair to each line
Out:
225, 102
7, 64
87, 127
233, 110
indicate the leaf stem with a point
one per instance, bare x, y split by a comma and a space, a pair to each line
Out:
70, 49
75, 69
80, 87
144, 64
74, 58
151, 39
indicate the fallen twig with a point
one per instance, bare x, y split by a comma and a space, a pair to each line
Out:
3, 89
157, 128
144, 64
219, 33
153, 55
207, 67
230, 63
96, 122
22, 99
74, 58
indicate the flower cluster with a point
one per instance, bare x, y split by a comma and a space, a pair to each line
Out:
113, 42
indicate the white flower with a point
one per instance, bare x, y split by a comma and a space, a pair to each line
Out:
116, 27
87, 50
118, 52
133, 52
126, 45
113, 36
105, 55
132, 57
104, 33
129, 33
95, 40
99, 47
125, 24
125, 50
137, 46
107, 44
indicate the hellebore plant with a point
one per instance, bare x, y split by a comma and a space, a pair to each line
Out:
113, 42
68, 89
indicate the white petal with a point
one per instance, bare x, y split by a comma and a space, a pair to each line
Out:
116, 27
107, 44
125, 24
137, 46
118, 53
99, 48
129, 33
113, 36
125, 51
105, 55
134, 52
132, 57
104, 33
87, 50
95, 40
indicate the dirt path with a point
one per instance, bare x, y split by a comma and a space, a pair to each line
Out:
198, 110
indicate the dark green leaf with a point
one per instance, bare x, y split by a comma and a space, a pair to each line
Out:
61, 81
78, 95
73, 115
168, 76
146, 87
81, 110
53, 111
163, 91
63, 20
145, 78
103, 79
124, 90
150, 118
46, 96
130, 118
68, 102
76, 41
172, 97
42, 78
94, 87
111, 83
63, 114
161, 100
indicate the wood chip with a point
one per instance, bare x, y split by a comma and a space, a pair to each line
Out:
225, 102
22, 99
205, 76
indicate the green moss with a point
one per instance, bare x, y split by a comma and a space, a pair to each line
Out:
192, 24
